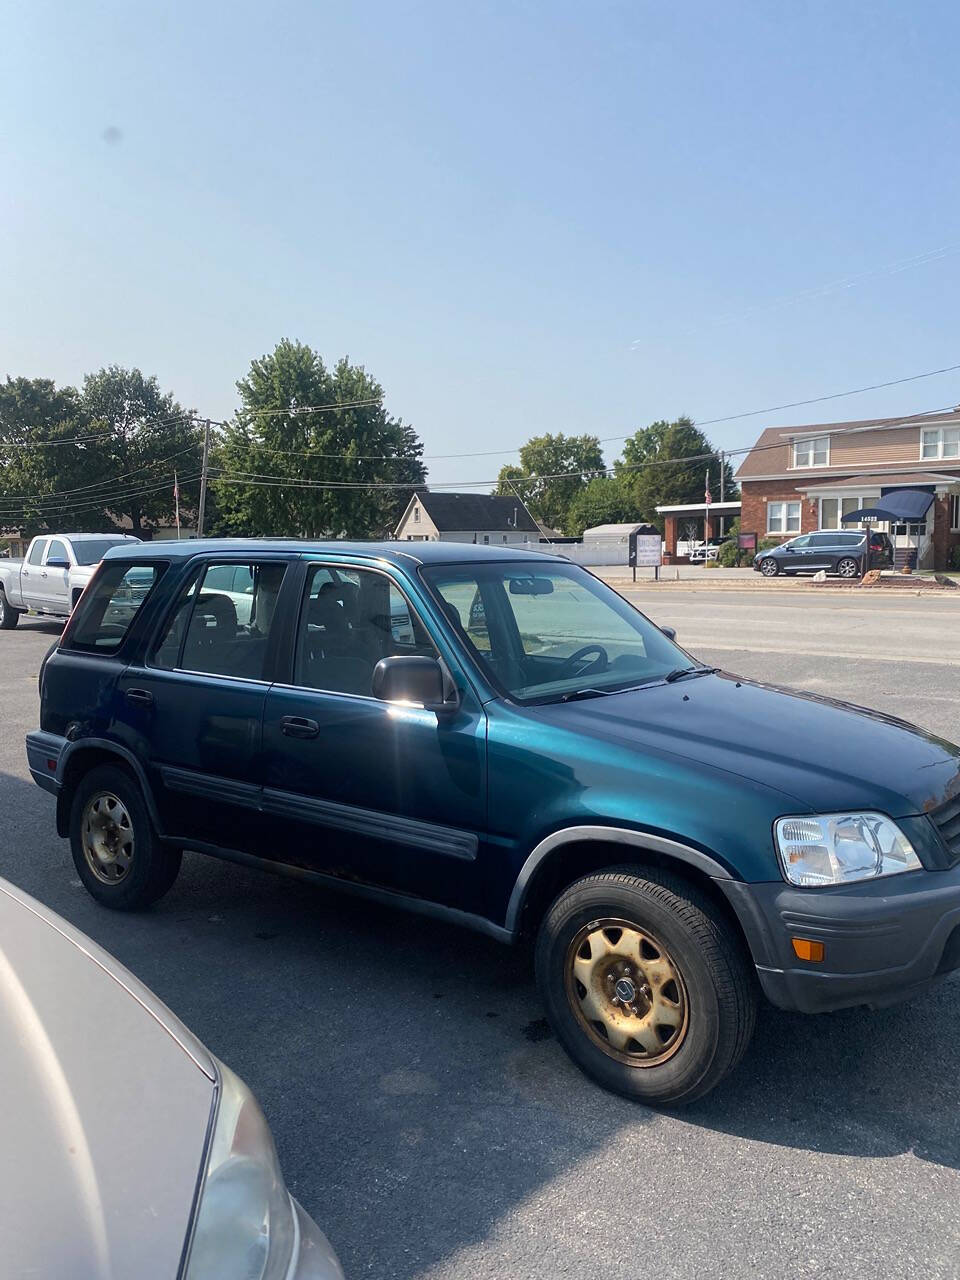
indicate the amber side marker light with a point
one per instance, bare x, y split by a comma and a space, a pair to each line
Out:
807, 949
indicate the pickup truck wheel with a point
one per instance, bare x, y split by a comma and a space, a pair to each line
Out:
646, 985
118, 855
9, 617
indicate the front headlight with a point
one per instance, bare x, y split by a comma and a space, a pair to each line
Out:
837, 848
245, 1223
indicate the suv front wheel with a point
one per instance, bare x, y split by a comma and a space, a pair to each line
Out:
118, 855
769, 567
646, 984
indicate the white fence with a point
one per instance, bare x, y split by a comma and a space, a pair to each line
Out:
603, 551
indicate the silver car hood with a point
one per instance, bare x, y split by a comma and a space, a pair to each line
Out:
107, 1099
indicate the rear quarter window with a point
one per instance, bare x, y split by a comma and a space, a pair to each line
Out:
108, 607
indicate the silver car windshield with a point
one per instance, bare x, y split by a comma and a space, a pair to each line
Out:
92, 550
545, 631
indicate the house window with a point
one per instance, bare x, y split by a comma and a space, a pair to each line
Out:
955, 513
783, 517
812, 453
940, 442
832, 511
486, 537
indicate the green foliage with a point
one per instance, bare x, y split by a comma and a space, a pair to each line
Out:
124, 469
655, 480
728, 553
270, 439
145, 436
955, 557
767, 543
605, 500
567, 463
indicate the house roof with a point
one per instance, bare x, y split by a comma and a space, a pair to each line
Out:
458, 511
770, 455
614, 530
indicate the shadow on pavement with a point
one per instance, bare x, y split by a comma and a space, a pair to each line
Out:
415, 1093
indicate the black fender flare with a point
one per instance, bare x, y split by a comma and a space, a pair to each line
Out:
102, 746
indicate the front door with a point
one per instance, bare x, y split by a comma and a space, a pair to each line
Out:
388, 794
192, 710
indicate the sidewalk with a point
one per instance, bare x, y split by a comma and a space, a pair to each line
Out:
686, 577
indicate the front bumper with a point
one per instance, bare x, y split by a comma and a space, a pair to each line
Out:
883, 940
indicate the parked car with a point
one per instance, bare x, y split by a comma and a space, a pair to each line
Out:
706, 551
51, 578
553, 765
128, 1149
838, 551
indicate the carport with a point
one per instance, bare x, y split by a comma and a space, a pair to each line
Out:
899, 507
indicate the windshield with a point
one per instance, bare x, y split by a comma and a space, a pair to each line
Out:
92, 551
545, 631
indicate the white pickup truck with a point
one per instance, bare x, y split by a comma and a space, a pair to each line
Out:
52, 577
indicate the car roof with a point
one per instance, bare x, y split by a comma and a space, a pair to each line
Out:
92, 537
423, 553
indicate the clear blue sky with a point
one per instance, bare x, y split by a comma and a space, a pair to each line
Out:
521, 217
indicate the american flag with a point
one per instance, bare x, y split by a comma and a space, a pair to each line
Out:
706, 493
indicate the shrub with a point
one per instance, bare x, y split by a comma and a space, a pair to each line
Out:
766, 544
728, 553
955, 557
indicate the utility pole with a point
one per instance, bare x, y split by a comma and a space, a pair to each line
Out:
722, 456
203, 477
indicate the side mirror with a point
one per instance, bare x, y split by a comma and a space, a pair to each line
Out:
411, 678
57, 562
669, 632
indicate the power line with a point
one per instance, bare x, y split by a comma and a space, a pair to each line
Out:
90, 437
100, 484
107, 502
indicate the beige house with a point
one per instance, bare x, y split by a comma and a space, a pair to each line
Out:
796, 480
483, 518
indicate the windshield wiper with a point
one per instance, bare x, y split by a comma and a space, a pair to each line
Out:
577, 694
689, 671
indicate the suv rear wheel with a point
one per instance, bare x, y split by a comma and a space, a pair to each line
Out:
848, 567
646, 985
118, 855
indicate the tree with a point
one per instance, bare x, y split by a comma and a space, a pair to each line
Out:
605, 500
273, 452
34, 412
553, 470
144, 436
652, 469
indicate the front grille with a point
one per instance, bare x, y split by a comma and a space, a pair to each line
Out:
947, 821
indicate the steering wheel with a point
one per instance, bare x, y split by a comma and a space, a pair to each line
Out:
570, 665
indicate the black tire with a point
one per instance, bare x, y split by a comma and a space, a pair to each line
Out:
151, 867
9, 617
769, 567
716, 985
848, 567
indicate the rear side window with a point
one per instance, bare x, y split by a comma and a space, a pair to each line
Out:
36, 551
221, 623
109, 606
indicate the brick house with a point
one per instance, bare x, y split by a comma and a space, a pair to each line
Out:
798, 479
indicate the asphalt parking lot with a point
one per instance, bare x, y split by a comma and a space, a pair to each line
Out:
427, 1119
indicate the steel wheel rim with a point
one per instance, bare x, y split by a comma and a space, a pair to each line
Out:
3, 607
106, 832
627, 992
847, 569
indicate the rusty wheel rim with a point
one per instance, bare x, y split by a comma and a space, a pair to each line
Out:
107, 837
627, 992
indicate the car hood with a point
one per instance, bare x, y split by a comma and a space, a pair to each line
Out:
107, 1101
827, 755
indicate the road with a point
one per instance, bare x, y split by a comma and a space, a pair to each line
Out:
428, 1120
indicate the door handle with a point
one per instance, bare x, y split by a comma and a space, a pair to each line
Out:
299, 727
140, 697
43, 573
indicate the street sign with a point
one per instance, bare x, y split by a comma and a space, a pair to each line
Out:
649, 550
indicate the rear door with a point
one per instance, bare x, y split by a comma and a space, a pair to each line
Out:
391, 795
31, 583
191, 709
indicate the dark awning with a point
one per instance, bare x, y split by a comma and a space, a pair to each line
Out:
900, 504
